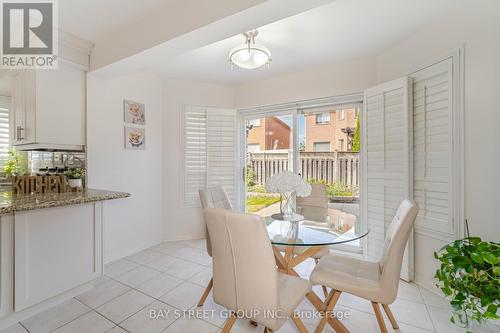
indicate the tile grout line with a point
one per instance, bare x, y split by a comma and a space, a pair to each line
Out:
83, 314
427, 309
21, 324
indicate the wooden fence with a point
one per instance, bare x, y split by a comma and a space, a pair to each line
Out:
331, 167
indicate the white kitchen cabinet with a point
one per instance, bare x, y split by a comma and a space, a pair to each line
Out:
6, 264
49, 108
55, 250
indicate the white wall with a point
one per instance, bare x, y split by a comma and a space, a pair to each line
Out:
181, 222
134, 223
474, 24
332, 80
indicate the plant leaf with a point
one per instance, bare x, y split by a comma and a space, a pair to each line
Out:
490, 258
477, 257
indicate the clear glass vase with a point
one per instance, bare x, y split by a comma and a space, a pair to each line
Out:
287, 205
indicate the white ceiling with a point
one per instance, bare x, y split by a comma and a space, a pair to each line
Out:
90, 19
333, 33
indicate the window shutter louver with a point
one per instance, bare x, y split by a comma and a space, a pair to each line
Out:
4, 129
387, 162
209, 151
432, 132
195, 153
221, 153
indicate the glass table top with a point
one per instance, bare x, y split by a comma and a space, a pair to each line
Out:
317, 229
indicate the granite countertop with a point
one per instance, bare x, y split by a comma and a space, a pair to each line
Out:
17, 203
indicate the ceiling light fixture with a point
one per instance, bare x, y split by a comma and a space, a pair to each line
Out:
250, 55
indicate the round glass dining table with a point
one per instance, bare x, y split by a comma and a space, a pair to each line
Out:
310, 236
308, 233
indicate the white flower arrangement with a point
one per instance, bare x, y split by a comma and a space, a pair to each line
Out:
287, 181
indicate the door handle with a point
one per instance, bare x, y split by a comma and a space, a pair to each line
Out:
19, 133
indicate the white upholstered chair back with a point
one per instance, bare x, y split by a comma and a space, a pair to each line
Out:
315, 206
244, 269
214, 197
317, 198
394, 247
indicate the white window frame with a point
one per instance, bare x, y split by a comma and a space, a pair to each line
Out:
322, 143
324, 118
341, 114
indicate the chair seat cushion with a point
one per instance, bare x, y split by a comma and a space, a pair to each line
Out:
357, 277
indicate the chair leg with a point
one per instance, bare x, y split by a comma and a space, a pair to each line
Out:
300, 325
333, 298
229, 323
325, 291
393, 321
380, 319
206, 292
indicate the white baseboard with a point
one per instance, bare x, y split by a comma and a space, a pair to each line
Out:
128, 251
15, 317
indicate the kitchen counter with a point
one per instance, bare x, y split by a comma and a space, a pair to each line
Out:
10, 203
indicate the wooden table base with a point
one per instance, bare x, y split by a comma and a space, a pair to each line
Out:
286, 264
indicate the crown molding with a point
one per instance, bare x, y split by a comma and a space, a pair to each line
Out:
75, 42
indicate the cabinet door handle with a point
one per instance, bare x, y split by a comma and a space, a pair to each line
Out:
20, 130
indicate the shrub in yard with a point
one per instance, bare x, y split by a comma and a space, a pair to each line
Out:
335, 189
355, 144
250, 176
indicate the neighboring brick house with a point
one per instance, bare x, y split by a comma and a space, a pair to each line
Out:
268, 134
330, 131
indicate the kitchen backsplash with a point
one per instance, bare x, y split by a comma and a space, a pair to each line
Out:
43, 162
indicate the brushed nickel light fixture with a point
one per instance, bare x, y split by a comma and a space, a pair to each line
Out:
250, 55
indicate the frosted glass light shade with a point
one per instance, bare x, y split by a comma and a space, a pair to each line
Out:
251, 57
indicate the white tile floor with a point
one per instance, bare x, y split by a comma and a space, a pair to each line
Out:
170, 277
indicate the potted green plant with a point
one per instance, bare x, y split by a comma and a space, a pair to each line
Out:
74, 177
469, 276
16, 165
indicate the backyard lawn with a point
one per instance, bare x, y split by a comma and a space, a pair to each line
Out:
258, 202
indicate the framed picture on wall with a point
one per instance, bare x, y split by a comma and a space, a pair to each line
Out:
135, 138
134, 112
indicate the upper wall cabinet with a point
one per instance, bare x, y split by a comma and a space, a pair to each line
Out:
49, 108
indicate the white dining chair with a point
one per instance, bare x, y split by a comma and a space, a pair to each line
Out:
213, 197
377, 282
315, 206
246, 280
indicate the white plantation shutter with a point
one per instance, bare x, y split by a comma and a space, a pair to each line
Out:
195, 153
387, 161
221, 150
432, 135
4, 130
209, 151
